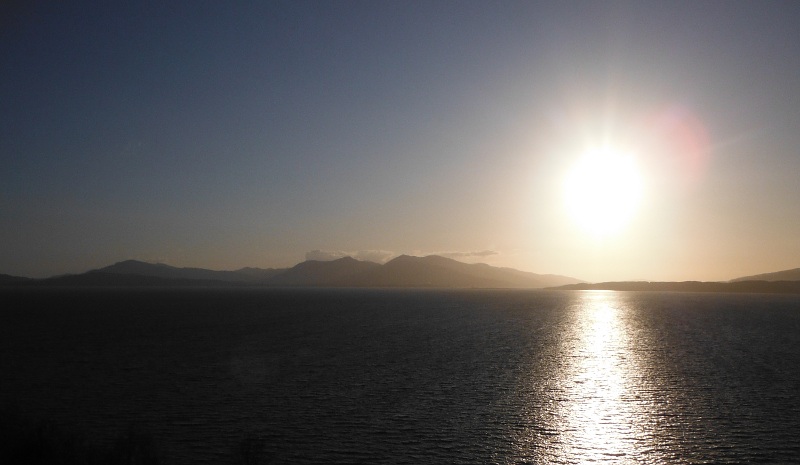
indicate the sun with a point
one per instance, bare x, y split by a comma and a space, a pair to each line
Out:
603, 191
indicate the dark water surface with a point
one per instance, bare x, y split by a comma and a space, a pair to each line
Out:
413, 376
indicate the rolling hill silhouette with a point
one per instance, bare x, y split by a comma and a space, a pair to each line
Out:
785, 275
160, 270
437, 271
404, 271
312, 273
407, 271
8, 280
96, 278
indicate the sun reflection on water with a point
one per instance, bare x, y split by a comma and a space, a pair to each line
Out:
595, 414
596, 421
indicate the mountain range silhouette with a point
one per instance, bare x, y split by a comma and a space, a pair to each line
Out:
432, 271
404, 271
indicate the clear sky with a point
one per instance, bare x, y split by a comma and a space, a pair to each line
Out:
232, 134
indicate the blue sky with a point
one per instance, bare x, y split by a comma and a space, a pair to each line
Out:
225, 135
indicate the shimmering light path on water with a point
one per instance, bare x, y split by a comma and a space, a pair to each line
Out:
597, 420
629, 385
597, 416
594, 412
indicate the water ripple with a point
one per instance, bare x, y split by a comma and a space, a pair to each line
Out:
415, 377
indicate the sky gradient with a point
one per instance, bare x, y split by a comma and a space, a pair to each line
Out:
260, 134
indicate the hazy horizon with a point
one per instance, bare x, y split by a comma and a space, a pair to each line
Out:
381, 258
218, 136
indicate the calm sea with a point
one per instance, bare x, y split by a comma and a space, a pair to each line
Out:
366, 376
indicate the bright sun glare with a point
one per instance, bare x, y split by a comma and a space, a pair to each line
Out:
603, 190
